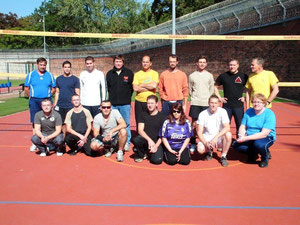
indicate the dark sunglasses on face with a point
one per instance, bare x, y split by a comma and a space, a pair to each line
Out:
105, 107
176, 111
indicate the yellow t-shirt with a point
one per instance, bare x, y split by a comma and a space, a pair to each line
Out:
261, 83
142, 77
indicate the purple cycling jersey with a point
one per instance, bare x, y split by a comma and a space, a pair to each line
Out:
176, 133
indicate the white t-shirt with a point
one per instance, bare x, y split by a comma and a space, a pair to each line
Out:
92, 87
212, 123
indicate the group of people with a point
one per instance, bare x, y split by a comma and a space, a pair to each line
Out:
92, 113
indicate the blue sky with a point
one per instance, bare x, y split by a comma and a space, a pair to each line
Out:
20, 7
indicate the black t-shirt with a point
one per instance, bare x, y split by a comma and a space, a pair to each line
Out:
152, 124
233, 85
78, 121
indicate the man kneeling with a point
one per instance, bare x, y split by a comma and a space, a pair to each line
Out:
214, 130
109, 131
47, 126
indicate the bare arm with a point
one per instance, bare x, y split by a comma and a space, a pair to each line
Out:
27, 91
56, 97
263, 134
275, 91
77, 91
217, 93
144, 87
248, 98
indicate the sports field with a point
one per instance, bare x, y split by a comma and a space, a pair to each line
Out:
83, 190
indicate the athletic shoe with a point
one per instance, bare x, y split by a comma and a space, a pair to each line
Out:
224, 161
120, 156
127, 147
109, 152
59, 154
219, 149
137, 159
33, 148
43, 154
192, 148
263, 164
209, 156
72, 152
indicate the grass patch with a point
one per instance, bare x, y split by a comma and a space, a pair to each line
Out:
13, 105
14, 82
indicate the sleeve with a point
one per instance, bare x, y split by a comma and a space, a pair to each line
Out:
245, 79
103, 86
225, 118
96, 123
53, 83
135, 80
190, 129
58, 120
77, 82
219, 80
117, 115
37, 119
89, 118
270, 120
185, 86
201, 118
273, 79
68, 117
245, 117
156, 77
163, 130
248, 84
161, 86
57, 82
141, 118
190, 83
28, 80
211, 85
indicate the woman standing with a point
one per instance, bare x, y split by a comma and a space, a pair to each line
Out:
176, 133
257, 132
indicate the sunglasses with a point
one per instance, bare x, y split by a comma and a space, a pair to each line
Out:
176, 111
105, 107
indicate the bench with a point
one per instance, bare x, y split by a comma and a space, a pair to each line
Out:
5, 85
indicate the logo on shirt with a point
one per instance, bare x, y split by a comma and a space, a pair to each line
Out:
52, 118
238, 80
125, 78
177, 136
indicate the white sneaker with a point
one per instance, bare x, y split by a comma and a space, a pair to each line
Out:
59, 154
109, 152
127, 147
43, 154
219, 149
120, 156
33, 148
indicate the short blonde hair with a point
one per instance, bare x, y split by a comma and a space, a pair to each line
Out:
260, 97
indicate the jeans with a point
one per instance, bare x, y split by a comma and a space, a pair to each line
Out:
166, 106
58, 142
141, 145
237, 113
260, 146
125, 112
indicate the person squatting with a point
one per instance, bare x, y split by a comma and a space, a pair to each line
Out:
91, 114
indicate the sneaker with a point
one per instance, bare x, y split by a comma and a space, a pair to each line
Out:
43, 154
59, 154
72, 152
224, 161
138, 159
120, 156
109, 152
209, 156
192, 148
219, 149
263, 164
33, 148
127, 147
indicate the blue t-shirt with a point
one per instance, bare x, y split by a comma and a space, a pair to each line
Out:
176, 133
255, 123
66, 87
40, 85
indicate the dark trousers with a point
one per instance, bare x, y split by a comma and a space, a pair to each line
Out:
260, 146
94, 110
139, 107
141, 145
72, 140
57, 142
166, 106
238, 114
171, 159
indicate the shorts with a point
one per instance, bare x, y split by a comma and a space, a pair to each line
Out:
35, 106
209, 138
107, 144
195, 110
63, 112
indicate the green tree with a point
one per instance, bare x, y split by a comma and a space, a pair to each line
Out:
162, 9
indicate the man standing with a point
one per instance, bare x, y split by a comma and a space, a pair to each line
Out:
39, 84
233, 82
66, 86
261, 81
92, 87
109, 131
47, 126
119, 85
201, 87
79, 125
173, 86
214, 130
149, 124
144, 83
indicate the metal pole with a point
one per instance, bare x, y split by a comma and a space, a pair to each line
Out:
173, 26
44, 28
